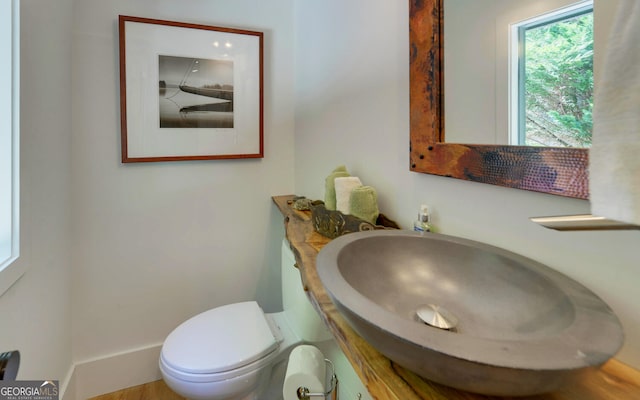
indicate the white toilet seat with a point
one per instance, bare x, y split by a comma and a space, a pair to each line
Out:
216, 345
215, 377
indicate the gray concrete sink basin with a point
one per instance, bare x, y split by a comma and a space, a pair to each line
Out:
466, 314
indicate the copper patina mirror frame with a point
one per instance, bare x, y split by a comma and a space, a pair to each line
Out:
559, 171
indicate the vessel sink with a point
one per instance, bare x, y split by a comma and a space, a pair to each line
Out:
466, 314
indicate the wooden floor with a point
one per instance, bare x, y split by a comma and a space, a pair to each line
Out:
157, 390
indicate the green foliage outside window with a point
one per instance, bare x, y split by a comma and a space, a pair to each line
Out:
559, 83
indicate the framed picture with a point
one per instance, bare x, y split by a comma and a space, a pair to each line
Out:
189, 92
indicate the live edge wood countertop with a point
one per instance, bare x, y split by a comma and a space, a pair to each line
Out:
386, 380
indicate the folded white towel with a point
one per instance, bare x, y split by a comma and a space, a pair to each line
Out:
614, 160
344, 187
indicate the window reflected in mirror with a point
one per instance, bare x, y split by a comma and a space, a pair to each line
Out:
518, 72
552, 79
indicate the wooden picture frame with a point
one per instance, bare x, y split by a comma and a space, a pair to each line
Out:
189, 91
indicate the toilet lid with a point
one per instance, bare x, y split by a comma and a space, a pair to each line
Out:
220, 339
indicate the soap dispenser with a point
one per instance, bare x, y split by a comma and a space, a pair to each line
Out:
423, 223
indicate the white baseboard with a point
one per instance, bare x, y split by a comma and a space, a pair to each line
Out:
114, 372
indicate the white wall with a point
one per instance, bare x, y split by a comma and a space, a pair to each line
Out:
155, 243
152, 244
35, 311
352, 107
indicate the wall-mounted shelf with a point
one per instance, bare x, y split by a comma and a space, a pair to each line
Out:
582, 222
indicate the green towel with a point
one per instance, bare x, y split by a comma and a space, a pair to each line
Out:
330, 186
363, 203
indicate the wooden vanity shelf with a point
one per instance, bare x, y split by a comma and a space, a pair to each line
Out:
385, 379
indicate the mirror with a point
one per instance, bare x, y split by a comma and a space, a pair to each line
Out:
559, 171
531, 76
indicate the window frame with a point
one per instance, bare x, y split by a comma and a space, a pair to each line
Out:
517, 106
10, 269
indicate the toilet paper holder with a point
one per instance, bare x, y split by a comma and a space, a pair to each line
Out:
305, 394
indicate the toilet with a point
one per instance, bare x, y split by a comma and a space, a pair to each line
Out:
238, 352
